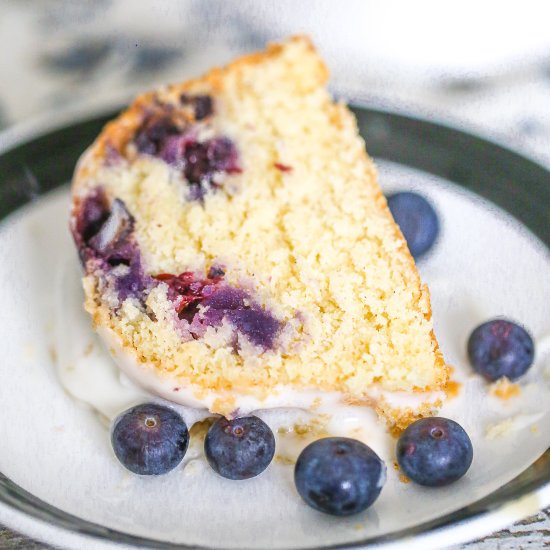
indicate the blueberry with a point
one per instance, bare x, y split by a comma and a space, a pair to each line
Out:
227, 298
215, 271
91, 216
223, 155
197, 165
150, 138
202, 160
105, 233
501, 348
162, 134
203, 106
339, 475
258, 325
417, 220
434, 451
135, 281
240, 448
150, 439
114, 230
220, 302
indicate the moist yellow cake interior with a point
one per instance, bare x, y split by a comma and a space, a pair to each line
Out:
305, 225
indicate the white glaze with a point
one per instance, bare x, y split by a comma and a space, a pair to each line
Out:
281, 396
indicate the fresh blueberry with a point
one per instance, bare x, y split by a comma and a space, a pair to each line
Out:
434, 451
417, 220
501, 348
150, 439
339, 475
240, 448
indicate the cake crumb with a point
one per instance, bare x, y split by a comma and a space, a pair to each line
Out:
284, 460
404, 479
499, 429
396, 430
453, 389
125, 482
514, 423
535, 429
199, 429
316, 404
53, 354
504, 389
315, 428
224, 406
302, 429
89, 348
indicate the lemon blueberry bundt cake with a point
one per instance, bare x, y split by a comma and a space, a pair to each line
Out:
238, 251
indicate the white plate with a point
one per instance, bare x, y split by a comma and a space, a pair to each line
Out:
484, 264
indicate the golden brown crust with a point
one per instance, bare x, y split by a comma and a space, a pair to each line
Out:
504, 389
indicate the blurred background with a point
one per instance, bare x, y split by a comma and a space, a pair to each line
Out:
480, 65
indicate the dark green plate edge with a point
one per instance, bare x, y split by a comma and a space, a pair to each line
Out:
517, 184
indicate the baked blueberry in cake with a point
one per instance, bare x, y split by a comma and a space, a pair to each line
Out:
238, 252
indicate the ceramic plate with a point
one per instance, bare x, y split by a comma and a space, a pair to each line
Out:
60, 482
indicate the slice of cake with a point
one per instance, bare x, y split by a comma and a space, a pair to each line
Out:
239, 253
